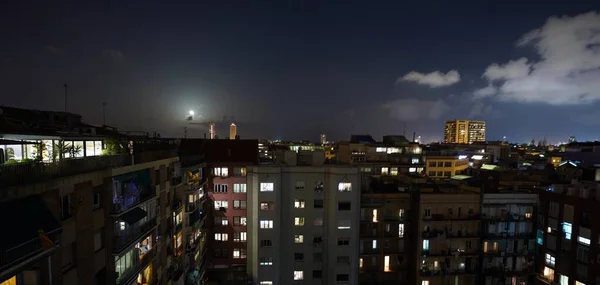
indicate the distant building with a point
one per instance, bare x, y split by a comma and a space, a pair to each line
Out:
232, 131
446, 166
323, 138
303, 221
212, 130
464, 131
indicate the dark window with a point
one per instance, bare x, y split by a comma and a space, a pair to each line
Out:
239, 204
65, 207
266, 242
447, 164
96, 200
585, 219
342, 278
431, 173
344, 206
298, 256
318, 204
343, 241
447, 173
317, 274
432, 164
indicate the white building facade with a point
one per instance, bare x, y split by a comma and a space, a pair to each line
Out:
303, 224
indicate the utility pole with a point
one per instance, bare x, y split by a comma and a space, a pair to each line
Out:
103, 113
66, 97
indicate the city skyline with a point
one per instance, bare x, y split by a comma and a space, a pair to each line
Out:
294, 72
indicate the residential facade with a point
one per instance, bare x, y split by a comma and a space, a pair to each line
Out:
446, 166
464, 131
508, 236
449, 241
386, 237
303, 221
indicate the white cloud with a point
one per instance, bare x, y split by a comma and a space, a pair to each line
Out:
485, 92
434, 79
510, 70
414, 109
568, 69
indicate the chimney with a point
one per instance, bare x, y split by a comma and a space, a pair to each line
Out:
414, 136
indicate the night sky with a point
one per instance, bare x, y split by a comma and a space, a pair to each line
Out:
294, 69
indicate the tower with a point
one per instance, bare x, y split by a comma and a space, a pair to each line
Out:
323, 138
212, 130
232, 131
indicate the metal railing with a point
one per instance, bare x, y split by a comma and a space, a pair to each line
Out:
32, 172
21, 252
131, 234
121, 204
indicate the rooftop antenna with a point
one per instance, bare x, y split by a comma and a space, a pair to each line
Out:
66, 97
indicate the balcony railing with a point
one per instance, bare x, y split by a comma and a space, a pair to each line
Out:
132, 234
147, 258
123, 203
442, 217
131, 272
22, 252
27, 173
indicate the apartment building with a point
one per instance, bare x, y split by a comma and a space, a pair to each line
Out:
88, 219
446, 166
464, 131
449, 241
508, 236
303, 221
567, 234
386, 235
223, 178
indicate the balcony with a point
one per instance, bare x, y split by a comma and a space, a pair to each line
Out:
28, 173
508, 217
447, 271
500, 270
26, 252
510, 235
129, 275
451, 252
435, 233
175, 271
132, 234
442, 217
192, 206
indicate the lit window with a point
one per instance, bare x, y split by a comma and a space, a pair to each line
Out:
298, 238
344, 187
374, 244
414, 161
266, 261
394, 171
221, 204
266, 187
563, 280
375, 216
360, 262
540, 237
266, 282
221, 171
299, 221
299, 275
239, 236
236, 253
583, 240
344, 225
221, 236
266, 224
239, 188
425, 282
528, 215
425, 244
579, 283
401, 214
567, 229
299, 204
549, 273
412, 169
386, 263
385, 171
550, 260
266, 206
400, 230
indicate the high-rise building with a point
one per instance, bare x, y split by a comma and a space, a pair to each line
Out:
323, 138
232, 131
464, 131
303, 221
212, 129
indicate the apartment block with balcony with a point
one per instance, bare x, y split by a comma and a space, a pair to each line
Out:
464, 131
193, 228
223, 178
303, 221
568, 234
385, 236
449, 242
508, 236
106, 221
